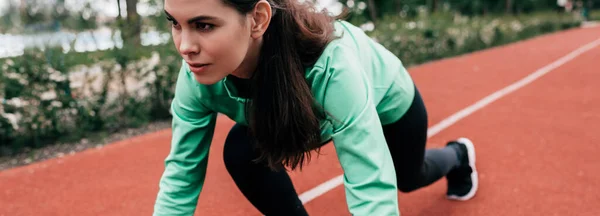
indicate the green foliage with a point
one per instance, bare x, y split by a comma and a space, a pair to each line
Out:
427, 38
595, 15
413, 8
48, 96
33, 93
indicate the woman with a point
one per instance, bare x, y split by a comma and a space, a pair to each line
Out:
294, 79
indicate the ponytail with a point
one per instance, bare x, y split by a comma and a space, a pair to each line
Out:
282, 113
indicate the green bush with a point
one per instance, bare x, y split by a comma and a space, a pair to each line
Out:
49, 96
595, 14
442, 35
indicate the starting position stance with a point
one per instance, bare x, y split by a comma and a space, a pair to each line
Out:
294, 79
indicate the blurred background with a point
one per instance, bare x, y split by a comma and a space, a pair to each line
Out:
77, 73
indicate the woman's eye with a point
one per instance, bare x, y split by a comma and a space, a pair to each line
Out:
204, 26
174, 23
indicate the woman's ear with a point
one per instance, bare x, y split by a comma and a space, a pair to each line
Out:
261, 18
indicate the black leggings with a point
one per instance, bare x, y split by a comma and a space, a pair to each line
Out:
273, 193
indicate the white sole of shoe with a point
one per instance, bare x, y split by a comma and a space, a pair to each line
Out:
474, 176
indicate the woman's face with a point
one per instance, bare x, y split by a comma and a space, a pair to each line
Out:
213, 38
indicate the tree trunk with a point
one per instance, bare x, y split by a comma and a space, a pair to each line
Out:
119, 11
433, 5
23, 10
134, 24
372, 10
509, 5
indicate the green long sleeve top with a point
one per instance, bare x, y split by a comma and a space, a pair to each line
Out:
358, 81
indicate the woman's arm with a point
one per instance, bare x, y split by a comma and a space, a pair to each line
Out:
369, 175
185, 166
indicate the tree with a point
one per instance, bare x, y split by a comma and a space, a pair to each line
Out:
119, 9
134, 22
131, 27
372, 10
434, 4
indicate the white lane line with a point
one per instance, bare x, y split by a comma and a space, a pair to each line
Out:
338, 180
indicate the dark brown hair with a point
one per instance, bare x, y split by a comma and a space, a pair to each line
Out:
283, 116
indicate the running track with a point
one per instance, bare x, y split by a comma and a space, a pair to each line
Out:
537, 146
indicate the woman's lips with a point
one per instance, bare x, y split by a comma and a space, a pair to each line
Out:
198, 68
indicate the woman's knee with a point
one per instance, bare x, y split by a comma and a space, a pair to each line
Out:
407, 185
238, 150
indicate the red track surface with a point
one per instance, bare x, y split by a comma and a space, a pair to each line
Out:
536, 147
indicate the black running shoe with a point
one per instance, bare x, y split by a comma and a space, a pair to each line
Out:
463, 181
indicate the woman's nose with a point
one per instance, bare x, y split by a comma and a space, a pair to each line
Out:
188, 45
